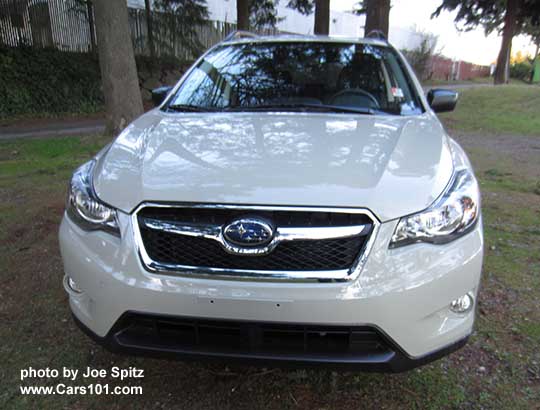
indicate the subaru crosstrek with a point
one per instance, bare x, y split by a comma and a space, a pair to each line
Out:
292, 200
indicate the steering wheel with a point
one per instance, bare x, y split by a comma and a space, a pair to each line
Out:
347, 98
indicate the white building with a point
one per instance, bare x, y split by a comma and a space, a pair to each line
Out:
345, 24
72, 32
341, 23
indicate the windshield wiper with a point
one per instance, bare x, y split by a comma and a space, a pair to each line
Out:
188, 108
355, 110
305, 107
302, 107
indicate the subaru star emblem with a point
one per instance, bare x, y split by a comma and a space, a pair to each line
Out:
249, 232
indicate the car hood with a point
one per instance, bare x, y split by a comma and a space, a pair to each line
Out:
391, 165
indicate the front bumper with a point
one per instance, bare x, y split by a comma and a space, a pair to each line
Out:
374, 351
404, 294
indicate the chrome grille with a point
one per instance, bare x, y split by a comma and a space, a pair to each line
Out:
301, 255
309, 243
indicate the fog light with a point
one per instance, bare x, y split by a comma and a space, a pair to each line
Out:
462, 304
73, 286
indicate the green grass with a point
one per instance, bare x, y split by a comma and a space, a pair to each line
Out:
37, 329
46, 156
479, 80
510, 109
500, 181
37, 169
40, 333
472, 81
532, 330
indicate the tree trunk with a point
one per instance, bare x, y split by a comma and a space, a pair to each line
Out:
90, 12
377, 16
503, 61
117, 63
322, 17
535, 59
150, 30
242, 14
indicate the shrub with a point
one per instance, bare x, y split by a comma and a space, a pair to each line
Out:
521, 70
48, 81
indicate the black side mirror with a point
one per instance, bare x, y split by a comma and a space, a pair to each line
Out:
159, 94
441, 100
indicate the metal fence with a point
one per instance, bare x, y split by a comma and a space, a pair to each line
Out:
68, 25
61, 24
168, 37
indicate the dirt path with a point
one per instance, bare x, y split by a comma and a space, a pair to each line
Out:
52, 128
517, 154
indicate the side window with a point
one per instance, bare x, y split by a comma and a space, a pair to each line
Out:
404, 98
206, 88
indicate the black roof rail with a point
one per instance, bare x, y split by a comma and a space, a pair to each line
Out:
377, 34
238, 34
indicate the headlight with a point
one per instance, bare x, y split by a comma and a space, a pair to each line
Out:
83, 206
451, 216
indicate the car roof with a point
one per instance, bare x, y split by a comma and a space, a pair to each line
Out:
290, 38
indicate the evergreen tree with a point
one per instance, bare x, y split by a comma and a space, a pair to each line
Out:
509, 17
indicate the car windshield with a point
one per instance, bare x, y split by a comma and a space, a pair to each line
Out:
306, 76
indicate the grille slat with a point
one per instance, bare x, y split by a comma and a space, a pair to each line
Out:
297, 255
234, 336
222, 216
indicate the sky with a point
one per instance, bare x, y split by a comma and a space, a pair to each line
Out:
472, 46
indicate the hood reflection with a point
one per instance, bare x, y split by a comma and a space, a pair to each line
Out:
271, 158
